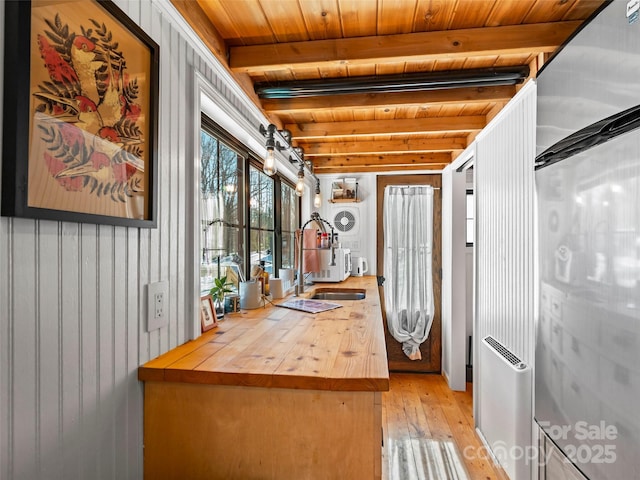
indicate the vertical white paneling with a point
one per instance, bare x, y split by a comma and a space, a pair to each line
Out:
71, 368
156, 28
119, 354
48, 343
505, 257
181, 190
505, 228
89, 381
24, 356
106, 346
133, 407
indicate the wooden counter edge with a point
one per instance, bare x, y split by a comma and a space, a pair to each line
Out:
296, 382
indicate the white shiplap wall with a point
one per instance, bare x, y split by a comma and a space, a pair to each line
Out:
505, 251
505, 227
73, 297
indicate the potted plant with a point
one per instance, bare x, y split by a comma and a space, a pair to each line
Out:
218, 291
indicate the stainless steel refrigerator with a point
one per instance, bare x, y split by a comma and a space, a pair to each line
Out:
587, 368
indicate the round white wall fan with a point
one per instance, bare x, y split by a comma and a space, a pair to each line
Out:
346, 221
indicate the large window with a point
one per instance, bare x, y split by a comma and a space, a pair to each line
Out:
246, 216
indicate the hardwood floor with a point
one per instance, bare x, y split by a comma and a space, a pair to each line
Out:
429, 432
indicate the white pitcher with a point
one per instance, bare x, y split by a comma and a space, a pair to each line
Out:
360, 266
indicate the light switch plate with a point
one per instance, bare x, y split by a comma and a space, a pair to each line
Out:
157, 304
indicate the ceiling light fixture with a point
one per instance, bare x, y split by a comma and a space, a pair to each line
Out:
280, 140
410, 82
269, 166
317, 199
300, 184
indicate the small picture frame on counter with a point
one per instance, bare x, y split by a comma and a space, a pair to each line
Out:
208, 319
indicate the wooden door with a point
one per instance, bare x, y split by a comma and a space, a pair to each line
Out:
431, 348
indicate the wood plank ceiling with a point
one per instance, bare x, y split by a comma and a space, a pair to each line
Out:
311, 44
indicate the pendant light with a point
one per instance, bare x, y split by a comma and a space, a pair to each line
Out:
300, 184
269, 167
317, 200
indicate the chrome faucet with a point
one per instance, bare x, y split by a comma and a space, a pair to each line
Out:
315, 217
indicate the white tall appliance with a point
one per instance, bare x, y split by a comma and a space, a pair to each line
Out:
587, 369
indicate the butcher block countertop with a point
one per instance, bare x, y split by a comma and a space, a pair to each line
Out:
275, 347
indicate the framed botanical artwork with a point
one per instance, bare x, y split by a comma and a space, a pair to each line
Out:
80, 114
208, 318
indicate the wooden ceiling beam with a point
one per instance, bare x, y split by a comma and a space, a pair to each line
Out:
384, 147
460, 96
410, 47
403, 160
383, 169
464, 124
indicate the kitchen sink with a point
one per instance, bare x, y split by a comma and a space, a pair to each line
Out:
330, 293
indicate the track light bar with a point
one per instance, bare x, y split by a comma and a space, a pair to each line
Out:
281, 140
484, 77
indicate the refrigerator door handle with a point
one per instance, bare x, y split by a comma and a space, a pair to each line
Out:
590, 136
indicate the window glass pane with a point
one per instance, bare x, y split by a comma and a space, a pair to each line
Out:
287, 250
289, 223
208, 163
289, 208
229, 183
469, 204
220, 210
266, 202
470, 231
254, 198
262, 221
262, 248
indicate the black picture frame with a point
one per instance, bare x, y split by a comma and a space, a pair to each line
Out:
93, 158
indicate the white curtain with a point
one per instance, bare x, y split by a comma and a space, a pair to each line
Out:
408, 286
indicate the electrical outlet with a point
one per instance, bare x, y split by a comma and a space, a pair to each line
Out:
158, 303
157, 294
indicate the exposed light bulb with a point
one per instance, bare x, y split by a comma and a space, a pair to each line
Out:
300, 184
317, 200
269, 167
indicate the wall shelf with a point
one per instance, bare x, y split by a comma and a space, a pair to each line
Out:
344, 190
